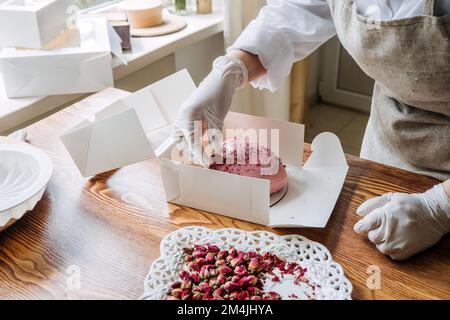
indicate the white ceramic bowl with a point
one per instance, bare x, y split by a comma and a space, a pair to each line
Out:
24, 174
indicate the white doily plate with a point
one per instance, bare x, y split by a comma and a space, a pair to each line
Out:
327, 276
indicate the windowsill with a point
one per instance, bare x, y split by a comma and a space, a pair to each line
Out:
17, 112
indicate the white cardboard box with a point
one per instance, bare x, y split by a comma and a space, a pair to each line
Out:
32, 24
84, 67
132, 129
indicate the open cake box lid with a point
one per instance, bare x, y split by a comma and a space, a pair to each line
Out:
134, 128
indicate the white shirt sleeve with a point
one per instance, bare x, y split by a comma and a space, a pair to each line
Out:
284, 32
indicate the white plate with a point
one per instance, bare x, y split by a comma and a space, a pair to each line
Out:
327, 275
24, 174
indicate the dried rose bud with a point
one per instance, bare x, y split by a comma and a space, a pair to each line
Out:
236, 262
225, 270
213, 282
204, 272
235, 279
254, 265
176, 293
248, 281
186, 284
231, 286
184, 275
241, 271
221, 279
267, 296
198, 247
222, 254
233, 252
220, 262
188, 251
219, 292
197, 296
210, 258
199, 254
254, 291
201, 262
243, 295
206, 288
186, 294
275, 296
243, 255
195, 277
176, 285
213, 249
207, 297
233, 295
256, 298
188, 258
213, 271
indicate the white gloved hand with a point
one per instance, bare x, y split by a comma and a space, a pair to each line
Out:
401, 225
209, 103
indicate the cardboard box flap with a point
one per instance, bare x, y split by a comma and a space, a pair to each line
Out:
313, 190
89, 144
246, 198
143, 118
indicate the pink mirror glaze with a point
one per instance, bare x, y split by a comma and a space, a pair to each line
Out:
248, 159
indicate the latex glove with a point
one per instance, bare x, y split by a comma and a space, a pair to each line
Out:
209, 103
401, 225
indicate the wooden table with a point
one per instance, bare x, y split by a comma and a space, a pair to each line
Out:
107, 229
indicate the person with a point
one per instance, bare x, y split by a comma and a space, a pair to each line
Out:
405, 46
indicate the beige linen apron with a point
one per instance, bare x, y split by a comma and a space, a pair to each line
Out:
409, 59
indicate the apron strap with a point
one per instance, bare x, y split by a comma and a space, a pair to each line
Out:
429, 7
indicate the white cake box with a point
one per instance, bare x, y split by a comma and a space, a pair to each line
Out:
32, 23
134, 128
84, 66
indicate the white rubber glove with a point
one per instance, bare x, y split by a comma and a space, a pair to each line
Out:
401, 225
209, 103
